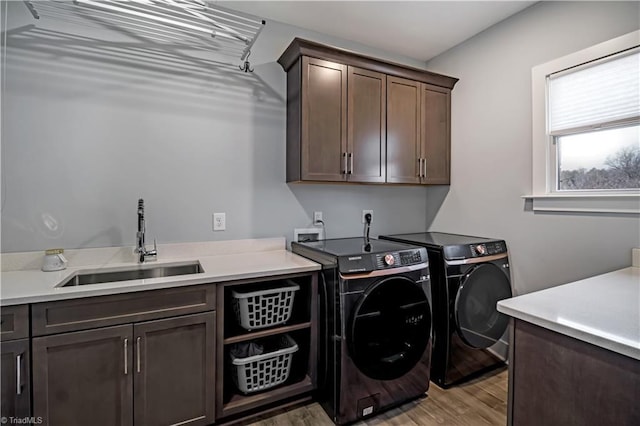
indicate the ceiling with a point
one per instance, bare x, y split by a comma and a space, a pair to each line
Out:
417, 29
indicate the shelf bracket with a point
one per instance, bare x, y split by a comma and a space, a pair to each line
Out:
247, 50
246, 67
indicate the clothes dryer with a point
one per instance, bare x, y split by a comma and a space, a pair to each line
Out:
469, 275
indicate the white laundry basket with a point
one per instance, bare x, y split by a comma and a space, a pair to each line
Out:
264, 371
265, 307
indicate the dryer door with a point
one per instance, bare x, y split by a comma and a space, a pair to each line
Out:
478, 321
389, 328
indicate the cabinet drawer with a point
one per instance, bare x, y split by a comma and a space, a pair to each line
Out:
92, 312
14, 323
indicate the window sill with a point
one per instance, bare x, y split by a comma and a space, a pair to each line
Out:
586, 203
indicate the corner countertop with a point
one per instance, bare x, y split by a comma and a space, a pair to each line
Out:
603, 310
221, 261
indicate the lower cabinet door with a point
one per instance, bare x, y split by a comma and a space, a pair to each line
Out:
84, 378
174, 378
16, 399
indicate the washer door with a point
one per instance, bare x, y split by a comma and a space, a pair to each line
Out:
389, 328
479, 323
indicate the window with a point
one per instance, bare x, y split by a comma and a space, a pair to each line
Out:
586, 129
593, 113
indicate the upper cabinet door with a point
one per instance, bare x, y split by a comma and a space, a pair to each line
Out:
403, 130
324, 120
366, 118
436, 134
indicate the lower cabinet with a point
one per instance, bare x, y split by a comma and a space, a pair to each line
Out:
16, 400
559, 380
153, 358
174, 379
158, 372
84, 377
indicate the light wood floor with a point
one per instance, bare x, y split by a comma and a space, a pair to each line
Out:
477, 403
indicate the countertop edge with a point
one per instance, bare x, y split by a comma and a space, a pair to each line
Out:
593, 339
552, 308
132, 288
25, 287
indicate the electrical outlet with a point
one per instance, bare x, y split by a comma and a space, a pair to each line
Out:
219, 221
317, 217
364, 212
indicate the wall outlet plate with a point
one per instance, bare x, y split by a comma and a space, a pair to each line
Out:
317, 217
303, 235
364, 212
219, 221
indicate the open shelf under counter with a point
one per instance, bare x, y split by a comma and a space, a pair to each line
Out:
241, 403
301, 327
267, 332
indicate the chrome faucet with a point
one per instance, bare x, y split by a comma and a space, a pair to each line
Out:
141, 249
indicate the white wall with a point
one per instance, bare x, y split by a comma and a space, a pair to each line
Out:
491, 145
84, 136
87, 129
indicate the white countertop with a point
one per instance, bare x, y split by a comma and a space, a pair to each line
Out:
603, 310
221, 261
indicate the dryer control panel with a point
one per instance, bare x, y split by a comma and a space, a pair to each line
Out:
474, 249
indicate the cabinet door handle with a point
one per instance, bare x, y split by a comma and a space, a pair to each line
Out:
424, 167
350, 163
138, 353
126, 367
19, 374
419, 167
344, 157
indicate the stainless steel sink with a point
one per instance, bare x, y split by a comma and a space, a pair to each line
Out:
138, 273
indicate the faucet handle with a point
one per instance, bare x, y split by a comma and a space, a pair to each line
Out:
154, 252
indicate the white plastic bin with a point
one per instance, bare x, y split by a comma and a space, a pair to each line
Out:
266, 307
260, 372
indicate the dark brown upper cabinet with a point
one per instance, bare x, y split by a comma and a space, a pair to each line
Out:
403, 131
435, 134
339, 119
353, 118
323, 115
366, 122
418, 132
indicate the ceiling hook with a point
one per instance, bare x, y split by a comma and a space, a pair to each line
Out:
246, 67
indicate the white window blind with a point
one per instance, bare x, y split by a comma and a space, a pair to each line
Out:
594, 95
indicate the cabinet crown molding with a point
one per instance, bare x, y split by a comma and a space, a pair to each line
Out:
300, 47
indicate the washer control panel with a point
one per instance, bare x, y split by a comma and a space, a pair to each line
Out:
488, 249
400, 258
